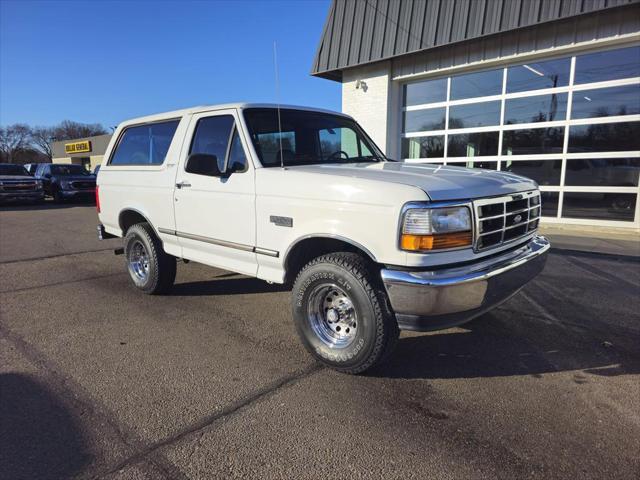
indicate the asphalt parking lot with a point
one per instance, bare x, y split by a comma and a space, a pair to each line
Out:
99, 381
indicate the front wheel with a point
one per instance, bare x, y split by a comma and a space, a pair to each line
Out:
341, 313
151, 269
57, 195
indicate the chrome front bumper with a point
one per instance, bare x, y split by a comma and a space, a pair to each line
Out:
443, 298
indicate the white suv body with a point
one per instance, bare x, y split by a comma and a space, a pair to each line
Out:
265, 191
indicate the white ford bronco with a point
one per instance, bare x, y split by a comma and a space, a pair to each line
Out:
303, 196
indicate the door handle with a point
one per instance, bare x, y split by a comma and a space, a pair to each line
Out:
183, 184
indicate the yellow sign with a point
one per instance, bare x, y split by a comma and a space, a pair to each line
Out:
78, 147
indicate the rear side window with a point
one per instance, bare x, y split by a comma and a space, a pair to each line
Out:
145, 144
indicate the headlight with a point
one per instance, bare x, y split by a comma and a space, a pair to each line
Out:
38, 184
436, 228
65, 185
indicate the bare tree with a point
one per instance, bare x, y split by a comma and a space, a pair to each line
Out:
69, 130
41, 138
13, 139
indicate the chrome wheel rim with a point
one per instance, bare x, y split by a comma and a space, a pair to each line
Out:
139, 262
332, 316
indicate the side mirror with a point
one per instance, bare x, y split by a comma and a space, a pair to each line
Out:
203, 164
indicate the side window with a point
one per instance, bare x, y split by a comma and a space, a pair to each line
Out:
145, 144
237, 157
212, 137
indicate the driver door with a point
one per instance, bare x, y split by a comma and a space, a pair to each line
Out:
215, 216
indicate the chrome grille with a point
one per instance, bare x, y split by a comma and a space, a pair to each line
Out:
18, 186
502, 220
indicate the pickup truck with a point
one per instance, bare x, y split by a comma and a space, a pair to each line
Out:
66, 181
304, 197
17, 184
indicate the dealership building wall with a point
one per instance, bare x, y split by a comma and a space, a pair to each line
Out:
87, 151
492, 84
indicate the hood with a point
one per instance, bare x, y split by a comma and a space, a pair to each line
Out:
440, 182
16, 177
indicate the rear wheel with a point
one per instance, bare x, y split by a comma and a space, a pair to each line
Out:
150, 268
341, 313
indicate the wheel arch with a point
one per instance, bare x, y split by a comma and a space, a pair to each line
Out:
306, 248
131, 216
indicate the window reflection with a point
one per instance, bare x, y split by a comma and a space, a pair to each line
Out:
614, 137
478, 84
544, 172
424, 120
603, 172
475, 164
473, 144
431, 91
474, 115
549, 202
604, 102
540, 108
608, 65
423, 147
603, 206
532, 141
533, 76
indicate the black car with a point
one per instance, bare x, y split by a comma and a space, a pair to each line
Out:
66, 181
16, 184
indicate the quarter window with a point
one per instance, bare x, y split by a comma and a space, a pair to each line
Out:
145, 144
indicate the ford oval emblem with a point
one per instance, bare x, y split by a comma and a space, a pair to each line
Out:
517, 219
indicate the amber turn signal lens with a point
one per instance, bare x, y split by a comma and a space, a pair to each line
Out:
435, 242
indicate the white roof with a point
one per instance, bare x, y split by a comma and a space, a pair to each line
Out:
207, 108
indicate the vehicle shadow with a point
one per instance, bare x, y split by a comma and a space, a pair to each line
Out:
491, 347
39, 437
46, 205
226, 284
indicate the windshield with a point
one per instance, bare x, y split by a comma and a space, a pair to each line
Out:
11, 169
69, 170
306, 138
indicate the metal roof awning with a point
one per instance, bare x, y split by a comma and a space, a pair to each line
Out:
359, 32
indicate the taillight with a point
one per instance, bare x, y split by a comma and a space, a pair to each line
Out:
98, 198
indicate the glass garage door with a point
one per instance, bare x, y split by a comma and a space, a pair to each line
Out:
572, 124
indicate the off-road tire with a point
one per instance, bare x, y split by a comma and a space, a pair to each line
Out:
162, 266
377, 332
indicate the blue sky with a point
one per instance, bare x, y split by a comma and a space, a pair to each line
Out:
106, 61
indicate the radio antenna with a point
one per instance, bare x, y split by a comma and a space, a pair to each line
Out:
275, 66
